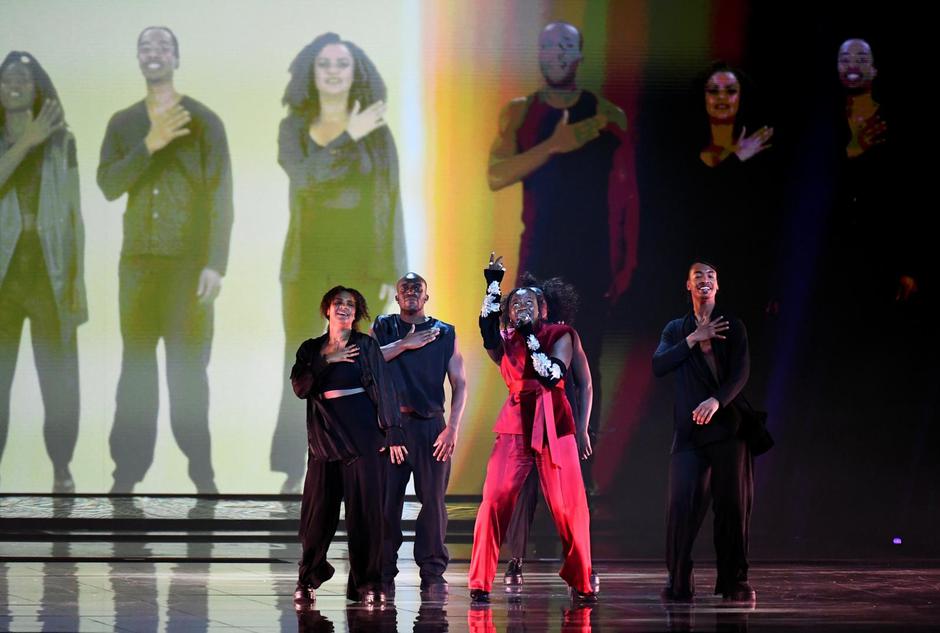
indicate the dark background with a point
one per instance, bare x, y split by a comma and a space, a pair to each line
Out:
847, 373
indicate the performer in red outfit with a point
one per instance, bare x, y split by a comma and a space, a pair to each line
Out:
535, 428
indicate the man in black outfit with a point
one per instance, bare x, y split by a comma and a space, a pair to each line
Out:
421, 352
709, 355
170, 155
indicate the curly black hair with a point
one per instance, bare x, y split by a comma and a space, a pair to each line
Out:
43, 84
301, 94
362, 308
561, 298
749, 103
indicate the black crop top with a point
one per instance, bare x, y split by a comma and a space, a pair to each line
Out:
341, 376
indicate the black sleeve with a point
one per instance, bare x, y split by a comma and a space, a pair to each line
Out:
672, 350
308, 369
312, 166
218, 179
119, 167
387, 405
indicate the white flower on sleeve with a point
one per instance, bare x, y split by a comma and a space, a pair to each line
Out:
490, 306
493, 288
541, 364
533, 343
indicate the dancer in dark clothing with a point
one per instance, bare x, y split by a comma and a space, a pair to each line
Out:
352, 418
710, 463
421, 351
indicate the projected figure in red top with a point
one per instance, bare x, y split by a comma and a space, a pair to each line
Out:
535, 429
568, 148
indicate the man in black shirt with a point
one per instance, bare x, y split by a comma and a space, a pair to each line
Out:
710, 462
170, 155
421, 351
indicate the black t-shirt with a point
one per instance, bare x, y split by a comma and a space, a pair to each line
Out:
419, 373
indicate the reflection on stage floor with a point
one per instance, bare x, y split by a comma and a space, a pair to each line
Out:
197, 596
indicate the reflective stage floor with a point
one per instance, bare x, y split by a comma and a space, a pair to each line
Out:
176, 563
193, 596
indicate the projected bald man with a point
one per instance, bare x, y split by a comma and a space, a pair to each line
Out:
169, 154
568, 148
857, 72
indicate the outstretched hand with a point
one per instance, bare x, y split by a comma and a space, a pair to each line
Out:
496, 263
569, 137
364, 122
166, 125
345, 355
47, 122
416, 340
707, 329
750, 146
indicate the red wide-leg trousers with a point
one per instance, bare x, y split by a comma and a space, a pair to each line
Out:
560, 475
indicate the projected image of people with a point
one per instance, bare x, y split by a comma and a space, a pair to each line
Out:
169, 154
857, 73
41, 253
728, 135
874, 180
346, 220
580, 210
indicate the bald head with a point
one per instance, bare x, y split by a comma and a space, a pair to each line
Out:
412, 277
856, 65
560, 46
411, 293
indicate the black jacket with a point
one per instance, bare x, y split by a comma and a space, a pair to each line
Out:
179, 200
695, 382
324, 435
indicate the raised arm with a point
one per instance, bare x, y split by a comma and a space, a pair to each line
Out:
491, 311
120, 166
411, 340
37, 131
